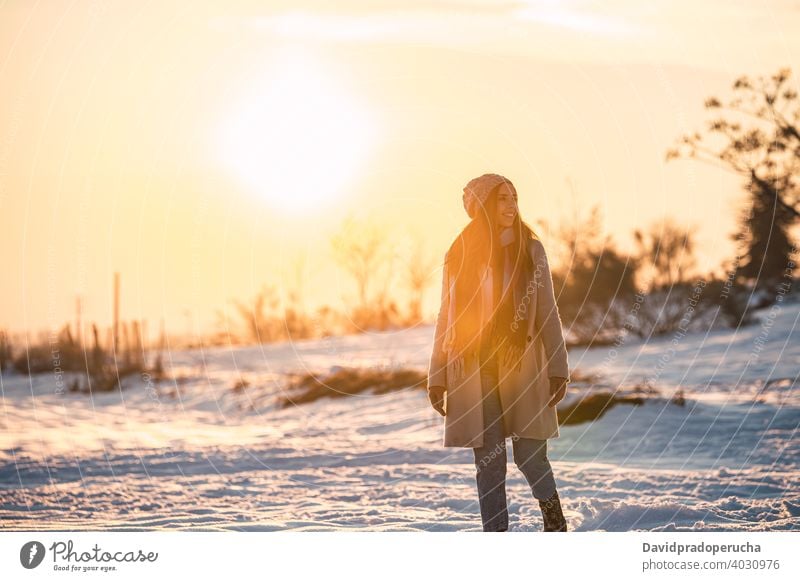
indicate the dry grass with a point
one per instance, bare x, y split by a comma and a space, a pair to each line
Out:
592, 406
351, 381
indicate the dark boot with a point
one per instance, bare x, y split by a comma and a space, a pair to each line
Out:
552, 516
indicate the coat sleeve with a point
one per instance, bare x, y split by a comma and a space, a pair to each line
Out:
547, 319
437, 370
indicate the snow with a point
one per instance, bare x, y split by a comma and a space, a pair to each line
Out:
196, 454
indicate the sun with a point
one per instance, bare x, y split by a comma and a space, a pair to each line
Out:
297, 138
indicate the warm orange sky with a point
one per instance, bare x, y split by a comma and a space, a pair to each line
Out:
200, 148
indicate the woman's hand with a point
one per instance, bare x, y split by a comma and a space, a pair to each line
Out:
558, 389
436, 397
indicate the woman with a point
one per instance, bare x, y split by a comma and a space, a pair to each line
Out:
499, 356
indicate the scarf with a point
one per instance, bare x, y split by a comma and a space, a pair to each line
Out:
508, 312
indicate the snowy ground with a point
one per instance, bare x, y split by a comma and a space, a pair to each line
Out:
196, 454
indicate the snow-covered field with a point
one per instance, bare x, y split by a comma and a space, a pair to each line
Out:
194, 453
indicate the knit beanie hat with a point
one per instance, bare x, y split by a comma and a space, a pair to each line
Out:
477, 191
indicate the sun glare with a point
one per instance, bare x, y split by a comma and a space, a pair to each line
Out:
297, 138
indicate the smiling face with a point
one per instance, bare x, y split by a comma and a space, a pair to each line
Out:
507, 209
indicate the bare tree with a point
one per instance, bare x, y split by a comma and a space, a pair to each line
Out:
418, 276
669, 250
362, 249
598, 282
358, 248
760, 133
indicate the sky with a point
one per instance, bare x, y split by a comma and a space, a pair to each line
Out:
203, 150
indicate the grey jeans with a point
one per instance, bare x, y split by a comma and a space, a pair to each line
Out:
530, 456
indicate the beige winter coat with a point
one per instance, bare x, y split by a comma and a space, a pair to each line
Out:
524, 394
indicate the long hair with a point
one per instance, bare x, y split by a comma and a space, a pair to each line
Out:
476, 246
